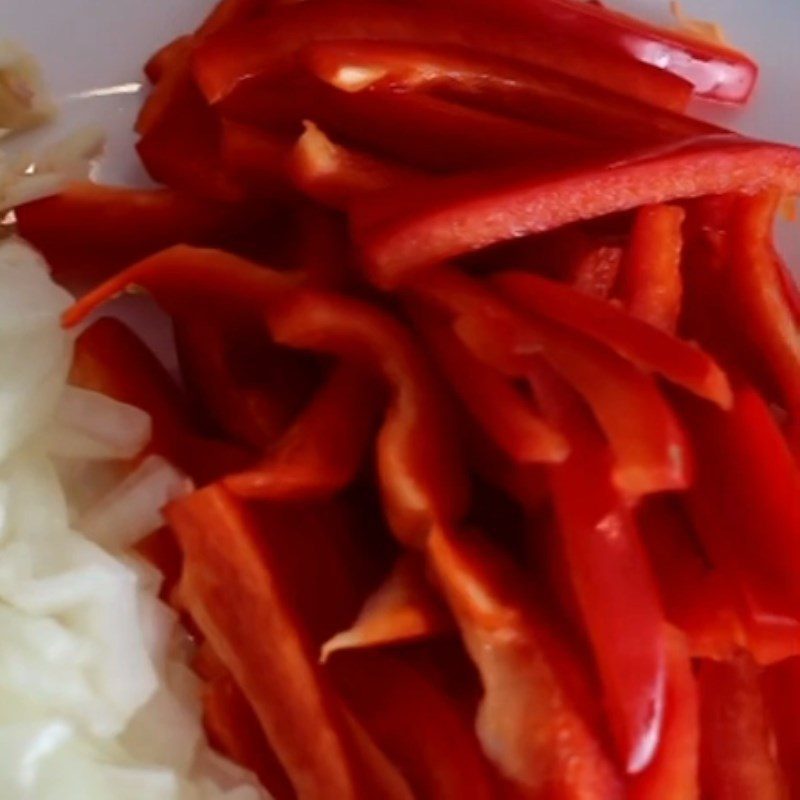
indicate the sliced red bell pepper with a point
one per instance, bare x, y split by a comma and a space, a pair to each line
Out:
652, 284
233, 730
595, 270
417, 726
509, 418
505, 86
528, 721
333, 174
736, 742
648, 347
674, 771
255, 157
246, 386
781, 686
418, 464
161, 550
405, 231
180, 134
165, 58
267, 48
646, 439
193, 282
614, 587
92, 231
431, 133
322, 248
111, 359
323, 450
231, 587
714, 70
745, 500
232, 13
403, 608
759, 300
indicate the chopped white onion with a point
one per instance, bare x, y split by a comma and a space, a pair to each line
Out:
132, 509
89, 425
96, 700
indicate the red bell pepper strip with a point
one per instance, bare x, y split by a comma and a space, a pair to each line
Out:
333, 174
322, 247
646, 439
180, 144
511, 420
323, 450
648, 347
233, 730
322, 749
406, 231
504, 86
161, 550
247, 387
745, 500
674, 772
612, 579
254, 157
418, 465
232, 13
193, 282
528, 722
781, 685
403, 608
417, 725
266, 48
714, 70
652, 285
736, 743
111, 359
90, 230
758, 295
431, 133
165, 58
595, 271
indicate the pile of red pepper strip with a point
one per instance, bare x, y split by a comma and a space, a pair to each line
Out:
490, 383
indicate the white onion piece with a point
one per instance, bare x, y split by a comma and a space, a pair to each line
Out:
132, 510
90, 425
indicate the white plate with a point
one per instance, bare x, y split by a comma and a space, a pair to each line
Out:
90, 45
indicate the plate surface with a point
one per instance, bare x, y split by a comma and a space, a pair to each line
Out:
90, 45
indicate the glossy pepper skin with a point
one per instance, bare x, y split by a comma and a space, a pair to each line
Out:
401, 234
714, 70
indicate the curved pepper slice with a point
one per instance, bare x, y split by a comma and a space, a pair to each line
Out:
231, 588
646, 346
402, 232
646, 439
233, 729
611, 577
652, 286
193, 281
758, 294
595, 270
255, 157
322, 451
91, 230
420, 474
417, 725
736, 743
674, 772
512, 421
781, 685
505, 86
741, 454
714, 70
528, 722
404, 608
266, 48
